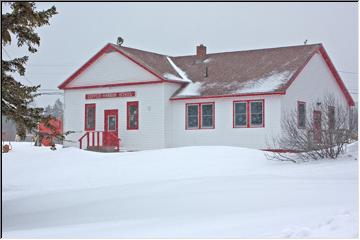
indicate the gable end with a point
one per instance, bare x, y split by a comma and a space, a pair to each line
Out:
107, 49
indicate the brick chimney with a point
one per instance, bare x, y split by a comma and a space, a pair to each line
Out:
201, 52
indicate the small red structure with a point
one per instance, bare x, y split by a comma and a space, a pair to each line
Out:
48, 134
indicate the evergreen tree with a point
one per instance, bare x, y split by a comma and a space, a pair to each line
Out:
20, 23
48, 111
58, 109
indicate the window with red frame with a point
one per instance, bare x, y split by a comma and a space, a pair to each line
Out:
240, 114
200, 116
248, 113
301, 111
133, 115
90, 112
256, 114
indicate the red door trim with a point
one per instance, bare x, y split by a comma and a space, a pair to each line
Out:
107, 137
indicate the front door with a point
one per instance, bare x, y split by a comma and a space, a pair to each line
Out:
110, 135
317, 126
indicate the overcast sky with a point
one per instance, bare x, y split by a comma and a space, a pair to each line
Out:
79, 30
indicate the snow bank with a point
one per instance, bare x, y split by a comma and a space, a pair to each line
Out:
197, 192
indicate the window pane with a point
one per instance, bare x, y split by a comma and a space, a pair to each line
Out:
240, 107
302, 115
240, 114
207, 115
90, 118
111, 123
206, 110
207, 122
192, 110
192, 115
256, 119
193, 121
256, 107
240, 120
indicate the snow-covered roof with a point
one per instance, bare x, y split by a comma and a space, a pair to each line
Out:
222, 74
253, 71
242, 72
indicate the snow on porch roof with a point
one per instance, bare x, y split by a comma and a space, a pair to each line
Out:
240, 72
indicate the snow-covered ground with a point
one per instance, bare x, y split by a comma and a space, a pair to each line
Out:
198, 192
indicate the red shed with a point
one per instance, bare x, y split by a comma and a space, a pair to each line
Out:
47, 134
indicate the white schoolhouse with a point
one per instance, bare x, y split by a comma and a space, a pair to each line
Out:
129, 99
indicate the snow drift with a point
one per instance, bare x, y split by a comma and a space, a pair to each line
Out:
198, 192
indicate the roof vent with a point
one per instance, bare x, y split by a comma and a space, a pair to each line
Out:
120, 41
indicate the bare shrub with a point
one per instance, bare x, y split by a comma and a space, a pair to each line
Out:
323, 134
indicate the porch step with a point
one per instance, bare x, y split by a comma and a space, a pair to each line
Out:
102, 149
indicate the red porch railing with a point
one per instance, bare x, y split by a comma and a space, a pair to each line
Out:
99, 139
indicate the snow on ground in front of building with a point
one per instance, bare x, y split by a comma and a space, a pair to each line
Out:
198, 192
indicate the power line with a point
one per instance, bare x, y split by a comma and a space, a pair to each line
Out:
7, 54
347, 72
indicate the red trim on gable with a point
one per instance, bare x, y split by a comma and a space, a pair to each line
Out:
90, 105
337, 76
136, 62
332, 70
84, 67
230, 95
110, 48
296, 74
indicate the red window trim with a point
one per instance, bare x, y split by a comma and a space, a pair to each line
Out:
248, 113
298, 114
199, 104
128, 104
90, 105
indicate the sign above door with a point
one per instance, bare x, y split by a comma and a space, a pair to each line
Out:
110, 95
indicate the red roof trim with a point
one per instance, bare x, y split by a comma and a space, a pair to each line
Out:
299, 70
85, 66
136, 62
337, 76
332, 69
230, 95
109, 48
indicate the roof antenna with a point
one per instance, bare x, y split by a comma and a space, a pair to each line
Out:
305, 42
120, 41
